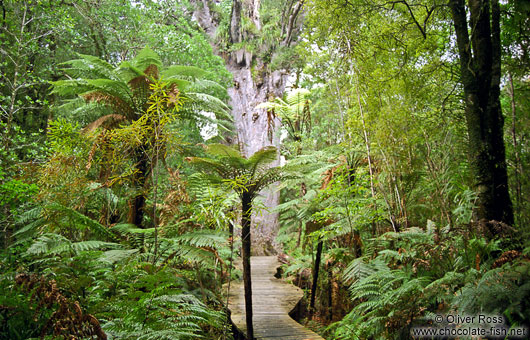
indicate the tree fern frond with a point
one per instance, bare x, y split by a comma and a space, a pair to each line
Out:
206, 86
70, 87
31, 220
92, 245
118, 90
55, 244
183, 71
90, 67
107, 121
358, 269
117, 255
204, 238
206, 102
145, 58
221, 150
262, 157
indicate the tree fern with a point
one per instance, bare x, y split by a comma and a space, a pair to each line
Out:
359, 269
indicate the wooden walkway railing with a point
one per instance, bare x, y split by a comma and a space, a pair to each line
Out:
272, 300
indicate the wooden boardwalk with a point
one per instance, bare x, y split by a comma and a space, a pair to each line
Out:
272, 300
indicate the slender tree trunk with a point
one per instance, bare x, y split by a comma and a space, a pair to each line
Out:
315, 277
330, 293
480, 69
246, 218
517, 156
368, 153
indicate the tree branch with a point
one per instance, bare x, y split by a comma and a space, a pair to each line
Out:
292, 19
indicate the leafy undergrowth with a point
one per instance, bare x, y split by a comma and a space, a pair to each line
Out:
116, 289
404, 279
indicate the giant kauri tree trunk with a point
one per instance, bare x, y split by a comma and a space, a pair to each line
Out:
479, 47
255, 127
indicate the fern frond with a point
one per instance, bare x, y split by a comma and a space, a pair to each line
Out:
184, 71
204, 238
145, 58
81, 220
90, 67
55, 244
118, 255
358, 269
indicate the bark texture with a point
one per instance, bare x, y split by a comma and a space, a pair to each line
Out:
480, 66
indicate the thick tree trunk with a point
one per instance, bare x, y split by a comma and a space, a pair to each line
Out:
480, 72
255, 129
246, 218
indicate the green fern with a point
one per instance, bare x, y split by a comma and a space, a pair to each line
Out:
204, 238
499, 291
163, 316
53, 244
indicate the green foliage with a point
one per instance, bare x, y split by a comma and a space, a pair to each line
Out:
375, 151
132, 291
243, 175
64, 137
500, 291
417, 273
293, 110
15, 193
18, 315
63, 220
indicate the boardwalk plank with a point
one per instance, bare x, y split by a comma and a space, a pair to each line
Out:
273, 299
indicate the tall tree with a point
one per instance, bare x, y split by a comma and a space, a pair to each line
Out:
479, 47
253, 43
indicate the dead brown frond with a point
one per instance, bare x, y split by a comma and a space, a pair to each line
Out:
106, 122
68, 321
140, 86
175, 199
100, 138
328, 176
152, 71
115, 103
174, 95
508, 256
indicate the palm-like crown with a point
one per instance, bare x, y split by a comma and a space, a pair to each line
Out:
244, 175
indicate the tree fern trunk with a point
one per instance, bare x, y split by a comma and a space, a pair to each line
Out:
246, 216
137, 205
